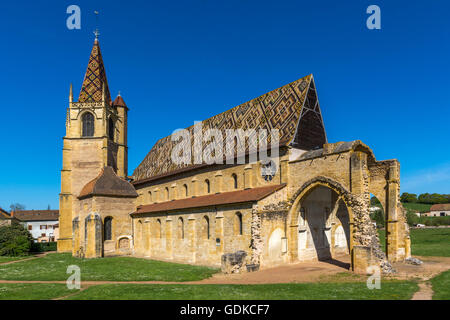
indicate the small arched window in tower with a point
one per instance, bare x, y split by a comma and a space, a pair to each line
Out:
235, 180
207, 186
206, 233
87, 124
180, 228
107, 228
238, 223
111, 129
150, 198
186, 191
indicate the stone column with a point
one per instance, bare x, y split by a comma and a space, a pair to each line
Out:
93, 235
283, 170
146, 237
218, 177
155, 195
397, 246
365, 246
174, 191
248, 176
76, 238
192, 237
194, 189
219, 232
169, 240
256, 241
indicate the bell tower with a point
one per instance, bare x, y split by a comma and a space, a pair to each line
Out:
96, 136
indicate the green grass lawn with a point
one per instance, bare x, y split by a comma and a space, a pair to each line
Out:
397, 290
426, 242
32, 291
54, 267
441, 286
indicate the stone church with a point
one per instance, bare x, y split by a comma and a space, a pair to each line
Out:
314, 205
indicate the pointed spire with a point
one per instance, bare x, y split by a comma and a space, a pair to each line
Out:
119, 102
95, 81
71, 94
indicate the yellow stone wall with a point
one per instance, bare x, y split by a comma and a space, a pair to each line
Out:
220, 179
157, 235
160, 236
119, 210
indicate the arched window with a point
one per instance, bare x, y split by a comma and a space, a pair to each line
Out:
206, 233
159, 228
235, 180
238, 223
150, 198
167, 193
180, 228
186, 191
107, 228
111, 129
88, 124
207, 186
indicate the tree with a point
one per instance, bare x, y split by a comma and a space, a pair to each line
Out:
17, 207
378, 217
15, 240
408, 197
433, 198
374, 201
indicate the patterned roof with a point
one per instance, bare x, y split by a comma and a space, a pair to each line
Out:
95, 78
280, 109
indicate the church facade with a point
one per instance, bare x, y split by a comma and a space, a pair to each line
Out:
309, 201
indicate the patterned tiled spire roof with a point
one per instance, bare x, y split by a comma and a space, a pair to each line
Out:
95, 78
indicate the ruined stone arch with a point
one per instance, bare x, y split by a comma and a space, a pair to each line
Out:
362, 233
343, 194
308, 186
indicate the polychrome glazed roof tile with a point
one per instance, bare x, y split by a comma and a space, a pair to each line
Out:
281, 109
95, 78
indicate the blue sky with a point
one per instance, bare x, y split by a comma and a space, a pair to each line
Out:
182, 61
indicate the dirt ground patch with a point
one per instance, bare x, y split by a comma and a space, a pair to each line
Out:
312, 271
431, 267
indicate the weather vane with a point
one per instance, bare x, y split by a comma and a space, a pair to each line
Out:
96, 32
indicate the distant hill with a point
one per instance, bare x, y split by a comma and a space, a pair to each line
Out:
416, 207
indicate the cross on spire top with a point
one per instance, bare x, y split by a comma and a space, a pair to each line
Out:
96, 32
